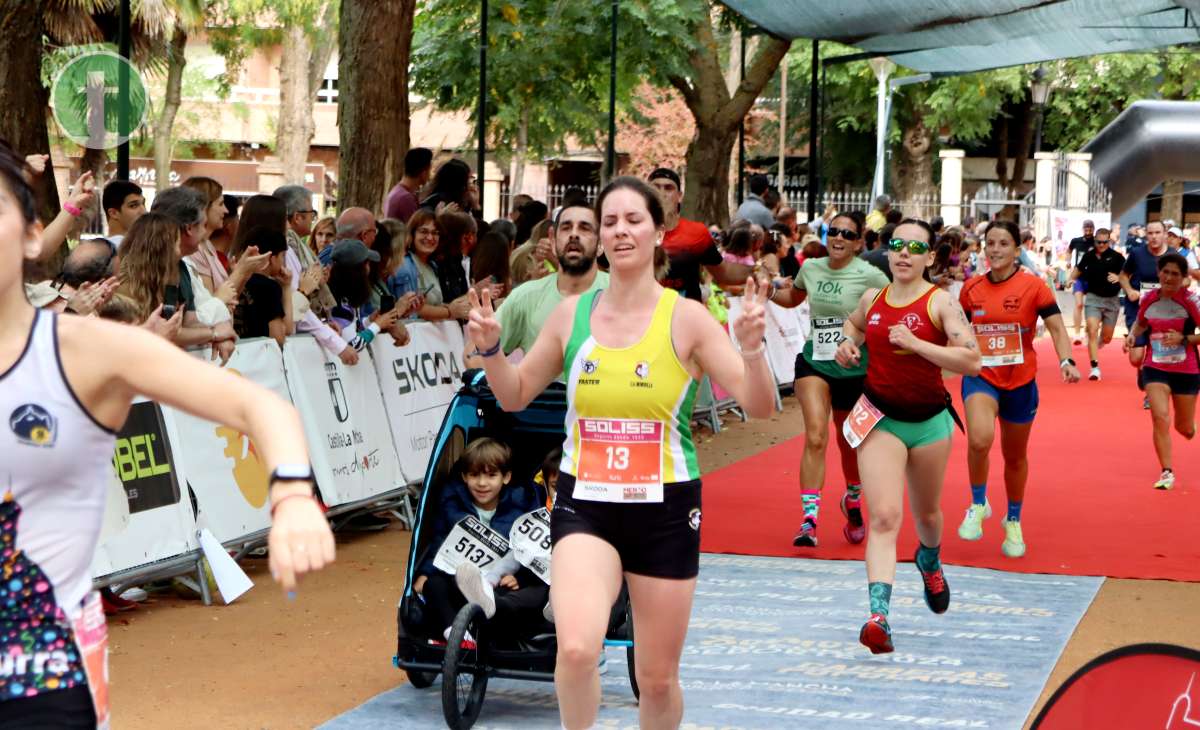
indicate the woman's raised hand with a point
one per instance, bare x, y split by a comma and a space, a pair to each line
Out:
751, 325
482, 326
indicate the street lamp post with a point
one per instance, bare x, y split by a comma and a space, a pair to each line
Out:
1039, 91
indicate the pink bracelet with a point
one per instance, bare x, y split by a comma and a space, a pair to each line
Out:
70, 208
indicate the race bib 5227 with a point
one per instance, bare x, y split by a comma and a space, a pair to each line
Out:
827, 333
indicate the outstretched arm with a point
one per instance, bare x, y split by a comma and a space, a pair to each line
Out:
745, 375
515, 386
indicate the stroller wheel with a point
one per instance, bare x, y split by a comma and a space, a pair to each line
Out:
465, 670
421, 680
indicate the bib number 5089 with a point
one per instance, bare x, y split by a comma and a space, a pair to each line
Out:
618, 457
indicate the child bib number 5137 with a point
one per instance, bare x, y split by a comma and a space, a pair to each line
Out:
620, 460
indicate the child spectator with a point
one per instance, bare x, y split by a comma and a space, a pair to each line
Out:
550, 476
480, 488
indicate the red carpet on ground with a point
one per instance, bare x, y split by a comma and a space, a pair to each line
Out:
1089, 507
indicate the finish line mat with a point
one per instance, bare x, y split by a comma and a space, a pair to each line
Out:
773, 643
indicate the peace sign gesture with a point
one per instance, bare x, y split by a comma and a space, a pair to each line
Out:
482, 326
751, 324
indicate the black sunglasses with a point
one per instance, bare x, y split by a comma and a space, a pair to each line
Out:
847, 234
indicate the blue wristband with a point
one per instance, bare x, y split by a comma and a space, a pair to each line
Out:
490, 352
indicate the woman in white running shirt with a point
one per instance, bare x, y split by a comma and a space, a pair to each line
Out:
66, 384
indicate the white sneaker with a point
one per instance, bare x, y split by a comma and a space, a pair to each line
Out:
1095, 374
972, 524
475, 588
1014, 543
1166, 481
136, 595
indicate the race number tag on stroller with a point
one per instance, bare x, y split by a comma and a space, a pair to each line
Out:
861, 420
531, 542
1165, 354
620, 460
1000, 344
470, 541
827, 333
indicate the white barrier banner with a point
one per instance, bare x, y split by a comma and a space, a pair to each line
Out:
222, 465
344, 422
418, 381
158, 522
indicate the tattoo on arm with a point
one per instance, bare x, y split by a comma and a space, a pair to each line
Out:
958, 330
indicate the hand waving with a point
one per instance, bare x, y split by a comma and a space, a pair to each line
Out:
482, 326
751, 324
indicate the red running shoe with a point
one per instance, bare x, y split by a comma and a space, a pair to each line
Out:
854, 529
876, 635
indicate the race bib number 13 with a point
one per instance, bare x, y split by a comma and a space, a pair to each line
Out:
1000, 344
620, 460
470, 541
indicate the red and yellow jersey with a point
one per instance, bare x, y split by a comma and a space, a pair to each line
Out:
1003, 318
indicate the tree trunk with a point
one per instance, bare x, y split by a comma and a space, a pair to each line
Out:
1002, 148
1024, 148
24, 102
717, 115
373, 112
164, 127
520, 153
914, 174
1172, 202
295, 128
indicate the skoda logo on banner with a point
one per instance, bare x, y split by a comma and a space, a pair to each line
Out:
336, 393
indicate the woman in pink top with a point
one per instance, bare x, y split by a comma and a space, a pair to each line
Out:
1171, 316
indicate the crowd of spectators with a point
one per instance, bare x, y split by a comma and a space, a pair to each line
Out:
207, 269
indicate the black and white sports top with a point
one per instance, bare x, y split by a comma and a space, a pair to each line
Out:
55, 462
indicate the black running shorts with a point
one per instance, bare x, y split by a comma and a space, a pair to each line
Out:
660, 540
843, 392
1179, 383
62, 709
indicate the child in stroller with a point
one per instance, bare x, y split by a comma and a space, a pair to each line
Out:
478, 510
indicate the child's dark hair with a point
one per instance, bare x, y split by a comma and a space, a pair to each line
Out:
485, 456
550, 463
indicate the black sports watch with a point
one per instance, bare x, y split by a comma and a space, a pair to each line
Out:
292, 473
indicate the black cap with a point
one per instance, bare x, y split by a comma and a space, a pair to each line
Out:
666, 172
351, 252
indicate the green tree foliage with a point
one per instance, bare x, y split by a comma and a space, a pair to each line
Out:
1091, 92
548, 64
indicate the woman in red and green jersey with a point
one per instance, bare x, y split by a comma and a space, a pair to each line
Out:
1003, 307
901, 425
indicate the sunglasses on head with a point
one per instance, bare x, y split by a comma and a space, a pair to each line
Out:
848, 234
915, 248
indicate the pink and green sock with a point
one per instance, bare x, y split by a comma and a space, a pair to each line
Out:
811, 500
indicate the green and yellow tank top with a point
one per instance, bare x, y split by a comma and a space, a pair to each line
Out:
629, 410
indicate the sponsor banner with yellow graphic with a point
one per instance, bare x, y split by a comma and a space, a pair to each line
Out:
418, 382
222, 464
158, 522
344, 421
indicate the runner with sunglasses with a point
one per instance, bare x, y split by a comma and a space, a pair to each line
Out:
902, 423
833, 286
1003, 307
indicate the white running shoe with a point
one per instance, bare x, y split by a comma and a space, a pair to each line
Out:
1095, 374
972, 525
1014, 543
475, 588
137, 595
1166, 481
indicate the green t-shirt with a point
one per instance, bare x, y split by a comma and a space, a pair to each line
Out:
525, 311
832, 295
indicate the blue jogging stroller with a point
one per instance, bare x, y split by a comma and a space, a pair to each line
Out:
465, 667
